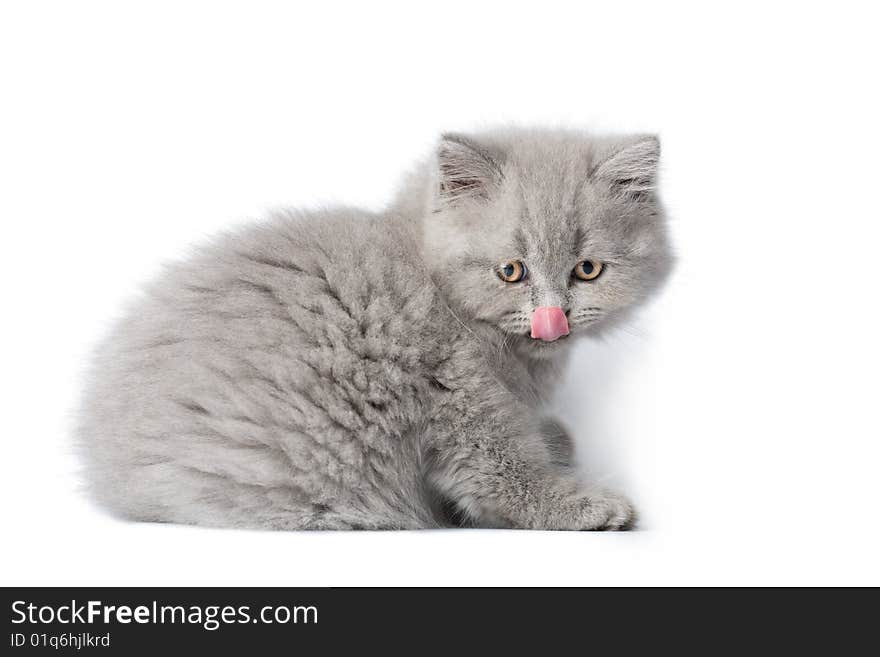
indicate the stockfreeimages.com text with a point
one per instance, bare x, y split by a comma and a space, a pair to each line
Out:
211, 617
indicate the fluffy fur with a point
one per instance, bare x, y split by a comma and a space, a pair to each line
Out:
345, 370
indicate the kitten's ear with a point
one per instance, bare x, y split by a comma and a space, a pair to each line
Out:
632, 169
465, 169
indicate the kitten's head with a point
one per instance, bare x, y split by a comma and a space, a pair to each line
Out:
546, 235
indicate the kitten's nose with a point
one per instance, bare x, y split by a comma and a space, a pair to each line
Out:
549, 323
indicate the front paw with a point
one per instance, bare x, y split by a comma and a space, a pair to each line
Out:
602, 510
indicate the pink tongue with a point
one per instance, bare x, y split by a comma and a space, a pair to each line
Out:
549, 323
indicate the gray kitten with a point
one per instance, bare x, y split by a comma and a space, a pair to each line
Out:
349, 370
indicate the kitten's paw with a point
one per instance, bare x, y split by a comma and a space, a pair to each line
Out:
603, 510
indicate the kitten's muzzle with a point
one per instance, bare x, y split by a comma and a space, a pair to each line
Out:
549, 323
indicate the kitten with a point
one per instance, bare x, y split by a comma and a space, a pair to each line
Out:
350, 370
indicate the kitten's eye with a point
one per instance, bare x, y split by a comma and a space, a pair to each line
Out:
512, 272
588, 270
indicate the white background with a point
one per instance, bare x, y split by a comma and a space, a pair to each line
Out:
739, 412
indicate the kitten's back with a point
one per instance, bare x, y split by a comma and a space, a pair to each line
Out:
266, 381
